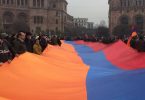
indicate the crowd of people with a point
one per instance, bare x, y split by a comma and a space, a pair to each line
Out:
17, 44
137, 42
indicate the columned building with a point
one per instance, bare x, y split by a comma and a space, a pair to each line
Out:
37, 14
127, 12
80, 22
90, 25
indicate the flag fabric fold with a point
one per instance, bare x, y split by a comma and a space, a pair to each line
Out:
76, 71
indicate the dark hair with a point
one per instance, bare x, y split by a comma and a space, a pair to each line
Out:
36, 40
28, 33
19, 33
1, 36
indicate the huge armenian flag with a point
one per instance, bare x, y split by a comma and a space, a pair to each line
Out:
76, 71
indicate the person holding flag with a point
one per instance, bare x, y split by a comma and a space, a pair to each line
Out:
134, 34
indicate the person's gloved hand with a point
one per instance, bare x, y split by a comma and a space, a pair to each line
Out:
9, 61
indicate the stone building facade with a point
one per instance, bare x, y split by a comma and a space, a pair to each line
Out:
90, 25
80, 22
45, 15
69, 25
127, 12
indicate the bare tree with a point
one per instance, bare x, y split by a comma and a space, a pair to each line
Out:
121, 30
102, 31
102, 23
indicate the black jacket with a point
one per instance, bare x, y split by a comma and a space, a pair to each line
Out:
19, 46
29, 45
43, 43
5, 53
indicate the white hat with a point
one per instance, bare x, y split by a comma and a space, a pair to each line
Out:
37, 37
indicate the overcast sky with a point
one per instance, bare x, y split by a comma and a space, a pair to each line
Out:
94, 10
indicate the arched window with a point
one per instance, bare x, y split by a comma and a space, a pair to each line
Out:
38, 29
38, 3
57, 13
26, 2
8, 18
22, 2
65, 7
139, 2
8, 1
42, 3
124, 20
123, 3
38, 19
54, 6
56, 29
65, 19
18, 2
143, 2
12, 1
139, 21
22, 17
35, 19
56, 21
3, 2
41, 20
34, 3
